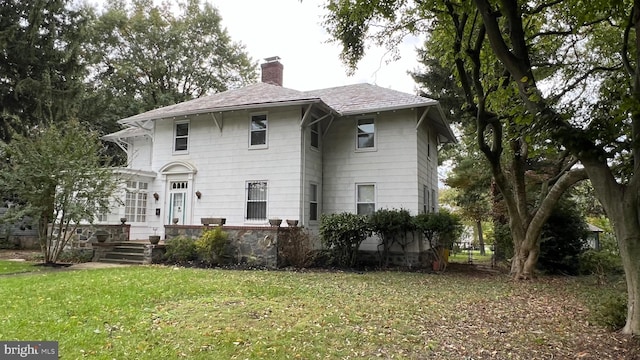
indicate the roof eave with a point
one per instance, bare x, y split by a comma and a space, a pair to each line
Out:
138, 118
387, 108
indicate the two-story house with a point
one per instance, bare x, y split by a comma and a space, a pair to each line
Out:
265, 151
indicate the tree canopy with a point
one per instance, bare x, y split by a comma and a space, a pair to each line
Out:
559, 72
40, 62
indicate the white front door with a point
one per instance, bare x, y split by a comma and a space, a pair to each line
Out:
177, 202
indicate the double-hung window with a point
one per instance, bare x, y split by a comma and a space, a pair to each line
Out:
425, 199
313, 202
433, 200
366, 134
258, 131
256, 200
135, 209
181, 137
365, 199
315, 135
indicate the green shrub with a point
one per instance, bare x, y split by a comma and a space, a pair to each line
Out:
562, 241
393, 227
76, 256
600, 263
211, 245
295, 247
342, 234
180, 249
611, 312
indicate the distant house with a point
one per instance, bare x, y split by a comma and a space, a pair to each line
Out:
265, 151
593, 238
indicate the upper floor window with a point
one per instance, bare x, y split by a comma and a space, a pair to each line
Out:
181, 138
365, 199
313, 202
433, 200
425, 199
315, 135
366, 133
258, 131
256, 200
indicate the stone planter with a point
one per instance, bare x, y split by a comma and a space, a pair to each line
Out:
275, 222
102, 236
123, 220
175, 221
292, 223
213, 221
154, 239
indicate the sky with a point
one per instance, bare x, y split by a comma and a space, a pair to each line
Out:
292, 30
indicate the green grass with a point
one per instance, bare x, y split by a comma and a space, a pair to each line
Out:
152, 312
12, 267
476, 258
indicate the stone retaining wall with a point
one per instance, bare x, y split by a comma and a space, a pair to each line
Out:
253, 245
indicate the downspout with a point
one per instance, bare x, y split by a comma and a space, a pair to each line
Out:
303, 177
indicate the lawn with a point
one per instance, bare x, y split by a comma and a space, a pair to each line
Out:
153, 312
12, 267
463, 256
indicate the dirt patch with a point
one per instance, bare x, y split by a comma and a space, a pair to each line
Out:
20, 254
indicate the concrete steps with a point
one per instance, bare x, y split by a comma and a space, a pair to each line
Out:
125, 253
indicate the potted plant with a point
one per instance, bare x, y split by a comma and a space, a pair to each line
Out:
292, 223
175, 221
123, 220
275, 221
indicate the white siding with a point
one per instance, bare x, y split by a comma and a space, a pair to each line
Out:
225, 163
392, 167
427, 165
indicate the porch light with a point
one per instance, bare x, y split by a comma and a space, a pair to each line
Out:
198, 194
156, 196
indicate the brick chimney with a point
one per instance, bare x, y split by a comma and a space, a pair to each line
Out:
272, 71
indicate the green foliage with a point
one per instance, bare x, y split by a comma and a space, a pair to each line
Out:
180, 249
295, 247
600, 263
440, 229
342, 234
210, 246
563, 239
503, 243
611, 311
76, 256
56, 174
393, 227
40, 63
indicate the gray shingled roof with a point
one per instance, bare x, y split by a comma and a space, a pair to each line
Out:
365, 98
343, 100
252, 96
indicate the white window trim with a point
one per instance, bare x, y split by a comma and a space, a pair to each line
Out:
246, 202
375, 134
317, 202
375, 195
175, 136
137, 193
266, 134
